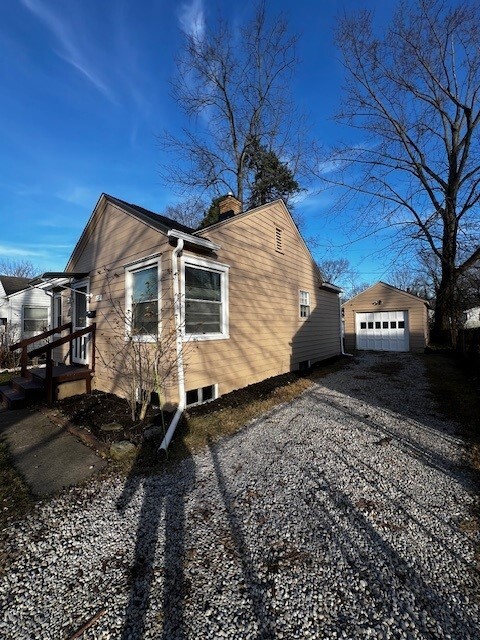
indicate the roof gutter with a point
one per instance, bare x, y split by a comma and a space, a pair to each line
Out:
198, 242
179, 344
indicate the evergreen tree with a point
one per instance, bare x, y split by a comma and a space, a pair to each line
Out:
272, 178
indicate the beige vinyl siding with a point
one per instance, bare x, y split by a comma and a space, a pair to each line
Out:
114, 239
392, 300
267, 335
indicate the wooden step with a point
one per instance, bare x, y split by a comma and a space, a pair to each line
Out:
11, 398
31, 388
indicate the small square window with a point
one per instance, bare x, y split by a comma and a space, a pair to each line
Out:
304, 365
370, 325
377, 325
393, 325
401, 324
208, 393
385, 325
192, 397
304, 304
363, 325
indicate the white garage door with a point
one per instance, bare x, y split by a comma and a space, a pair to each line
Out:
382, 331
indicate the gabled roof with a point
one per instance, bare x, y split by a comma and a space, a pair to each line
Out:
162, 223
12, 284
390, 286
154, 220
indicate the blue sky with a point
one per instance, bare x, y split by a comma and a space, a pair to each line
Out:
85, 92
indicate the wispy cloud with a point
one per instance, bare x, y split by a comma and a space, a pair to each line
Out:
70, 50
18, 252
192, 19
82, 196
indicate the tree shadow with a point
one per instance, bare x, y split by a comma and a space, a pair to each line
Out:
256, 587
162, 509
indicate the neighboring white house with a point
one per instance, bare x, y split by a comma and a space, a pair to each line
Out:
471, 318
24, 311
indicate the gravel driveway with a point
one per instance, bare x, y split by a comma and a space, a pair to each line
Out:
336, 516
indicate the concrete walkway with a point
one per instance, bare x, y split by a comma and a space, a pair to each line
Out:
48, 457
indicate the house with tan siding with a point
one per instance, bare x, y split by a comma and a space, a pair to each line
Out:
235, 303
384, 318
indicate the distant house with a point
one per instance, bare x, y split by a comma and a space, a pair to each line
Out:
384, 318
471, 318
24, 311
244, 297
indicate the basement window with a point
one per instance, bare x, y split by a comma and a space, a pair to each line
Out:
304, 366
201, 395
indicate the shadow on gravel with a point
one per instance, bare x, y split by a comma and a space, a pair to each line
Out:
257, 590
163, 501
370, 374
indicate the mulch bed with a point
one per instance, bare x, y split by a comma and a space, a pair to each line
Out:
98, 409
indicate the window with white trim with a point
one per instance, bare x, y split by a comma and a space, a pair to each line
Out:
35, 319
142, 287
304, 304
205, 299
201, 395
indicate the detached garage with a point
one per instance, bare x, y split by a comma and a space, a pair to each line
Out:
384, 318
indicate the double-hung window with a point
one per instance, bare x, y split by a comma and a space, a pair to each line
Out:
142, 300
205, 299
304, 304
35, 319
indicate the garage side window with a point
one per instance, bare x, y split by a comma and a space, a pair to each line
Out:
35, 319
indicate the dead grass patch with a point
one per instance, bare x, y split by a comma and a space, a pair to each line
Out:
458, 397
15, 499
5, 377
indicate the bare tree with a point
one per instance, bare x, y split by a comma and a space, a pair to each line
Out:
141, 364
189, 212
233, 85
20, 268
339, 271
415, 95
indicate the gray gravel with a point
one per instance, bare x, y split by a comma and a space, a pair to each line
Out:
336, 516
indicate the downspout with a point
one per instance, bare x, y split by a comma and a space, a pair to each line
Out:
179, 344
341, 327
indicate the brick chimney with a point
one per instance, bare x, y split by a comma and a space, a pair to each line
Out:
229, 206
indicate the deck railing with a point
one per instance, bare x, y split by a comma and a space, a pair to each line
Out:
49, 347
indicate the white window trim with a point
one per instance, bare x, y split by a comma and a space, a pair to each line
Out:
140, 265
223, 269
301, 304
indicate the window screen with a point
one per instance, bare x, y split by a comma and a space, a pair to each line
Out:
203, 301
145, 301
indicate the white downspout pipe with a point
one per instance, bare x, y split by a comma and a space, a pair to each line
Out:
341, 327
179, 344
